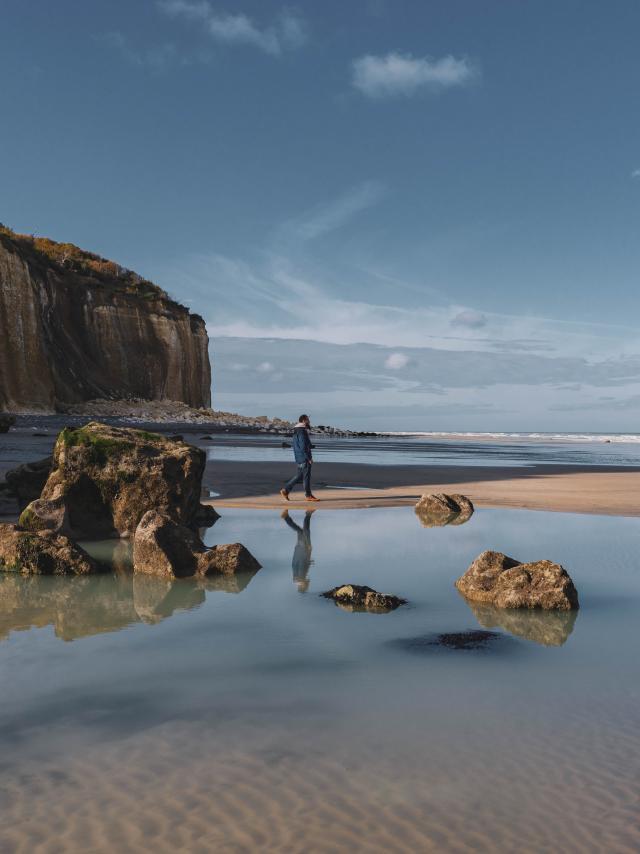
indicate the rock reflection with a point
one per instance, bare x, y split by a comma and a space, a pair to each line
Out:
84, 606
438, 520
548, 628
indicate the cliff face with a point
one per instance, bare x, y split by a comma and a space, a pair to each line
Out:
74, 327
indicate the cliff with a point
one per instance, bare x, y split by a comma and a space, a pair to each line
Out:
75, 327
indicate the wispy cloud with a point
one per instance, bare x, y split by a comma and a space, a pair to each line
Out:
287, 32
337, 213
635, 173
397, 74
153, 57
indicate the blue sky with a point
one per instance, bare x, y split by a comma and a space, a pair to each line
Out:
406, 215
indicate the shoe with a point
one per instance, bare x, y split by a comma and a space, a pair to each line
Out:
311, 498
284, 494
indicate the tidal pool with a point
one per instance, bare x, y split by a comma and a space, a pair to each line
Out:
251, 714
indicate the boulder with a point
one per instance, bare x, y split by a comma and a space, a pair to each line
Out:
501, 581
206, 516
228, 559
163, 547
6, 422
42, 553
27, 481
104, 479
354, 597
439, 509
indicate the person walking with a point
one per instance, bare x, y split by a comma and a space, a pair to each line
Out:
304, 459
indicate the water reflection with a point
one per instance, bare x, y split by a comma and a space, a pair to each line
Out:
301, 561
548, 628
83, 606
439, 520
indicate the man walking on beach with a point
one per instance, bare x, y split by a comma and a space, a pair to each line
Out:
302, 454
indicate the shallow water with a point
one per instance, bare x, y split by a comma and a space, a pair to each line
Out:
140, 714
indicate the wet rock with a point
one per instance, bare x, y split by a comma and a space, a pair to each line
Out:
439, 509
206, 517
228, 559
27, 481
163, 547
6, 422
286, 445
498, 580
548, 628
206, 438
42, 553
176, 438
103, 480
354, 597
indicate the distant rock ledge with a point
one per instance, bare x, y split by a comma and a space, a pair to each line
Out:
138, 411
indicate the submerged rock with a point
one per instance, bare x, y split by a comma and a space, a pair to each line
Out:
548, 628
42, 553
6, 422
499, 580
450, 640
439, 509
354, 597
163, 547
104, 479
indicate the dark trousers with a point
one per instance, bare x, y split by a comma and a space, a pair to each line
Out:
303, 475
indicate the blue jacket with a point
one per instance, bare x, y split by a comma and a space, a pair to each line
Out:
301, 444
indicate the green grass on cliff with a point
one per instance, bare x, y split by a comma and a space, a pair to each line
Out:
67, 257
101, 448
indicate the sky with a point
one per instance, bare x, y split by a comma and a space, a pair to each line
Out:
392, 214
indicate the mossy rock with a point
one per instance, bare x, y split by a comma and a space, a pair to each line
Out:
103, 479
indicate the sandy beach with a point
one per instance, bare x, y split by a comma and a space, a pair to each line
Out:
569, 489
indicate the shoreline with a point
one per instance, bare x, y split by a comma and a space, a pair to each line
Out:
347, 486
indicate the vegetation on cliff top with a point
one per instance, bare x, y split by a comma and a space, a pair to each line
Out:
66, 257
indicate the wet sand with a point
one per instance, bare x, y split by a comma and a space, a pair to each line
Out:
342, 486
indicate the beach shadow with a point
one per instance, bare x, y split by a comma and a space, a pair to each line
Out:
547, 628
301, 560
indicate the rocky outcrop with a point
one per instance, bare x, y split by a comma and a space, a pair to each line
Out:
42, 553
26, 482
165, 548
548, 628
6, 422
104, 479
498, 580
75, 327
439, 509
354, 597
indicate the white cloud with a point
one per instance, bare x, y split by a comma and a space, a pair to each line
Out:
635, 173
287, 32
469, 318
403, 74
265, 368
329, 217
396, 361
155, 57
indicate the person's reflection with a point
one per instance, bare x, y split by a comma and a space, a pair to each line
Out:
301, 560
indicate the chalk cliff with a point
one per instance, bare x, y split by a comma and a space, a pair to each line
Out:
75, 327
